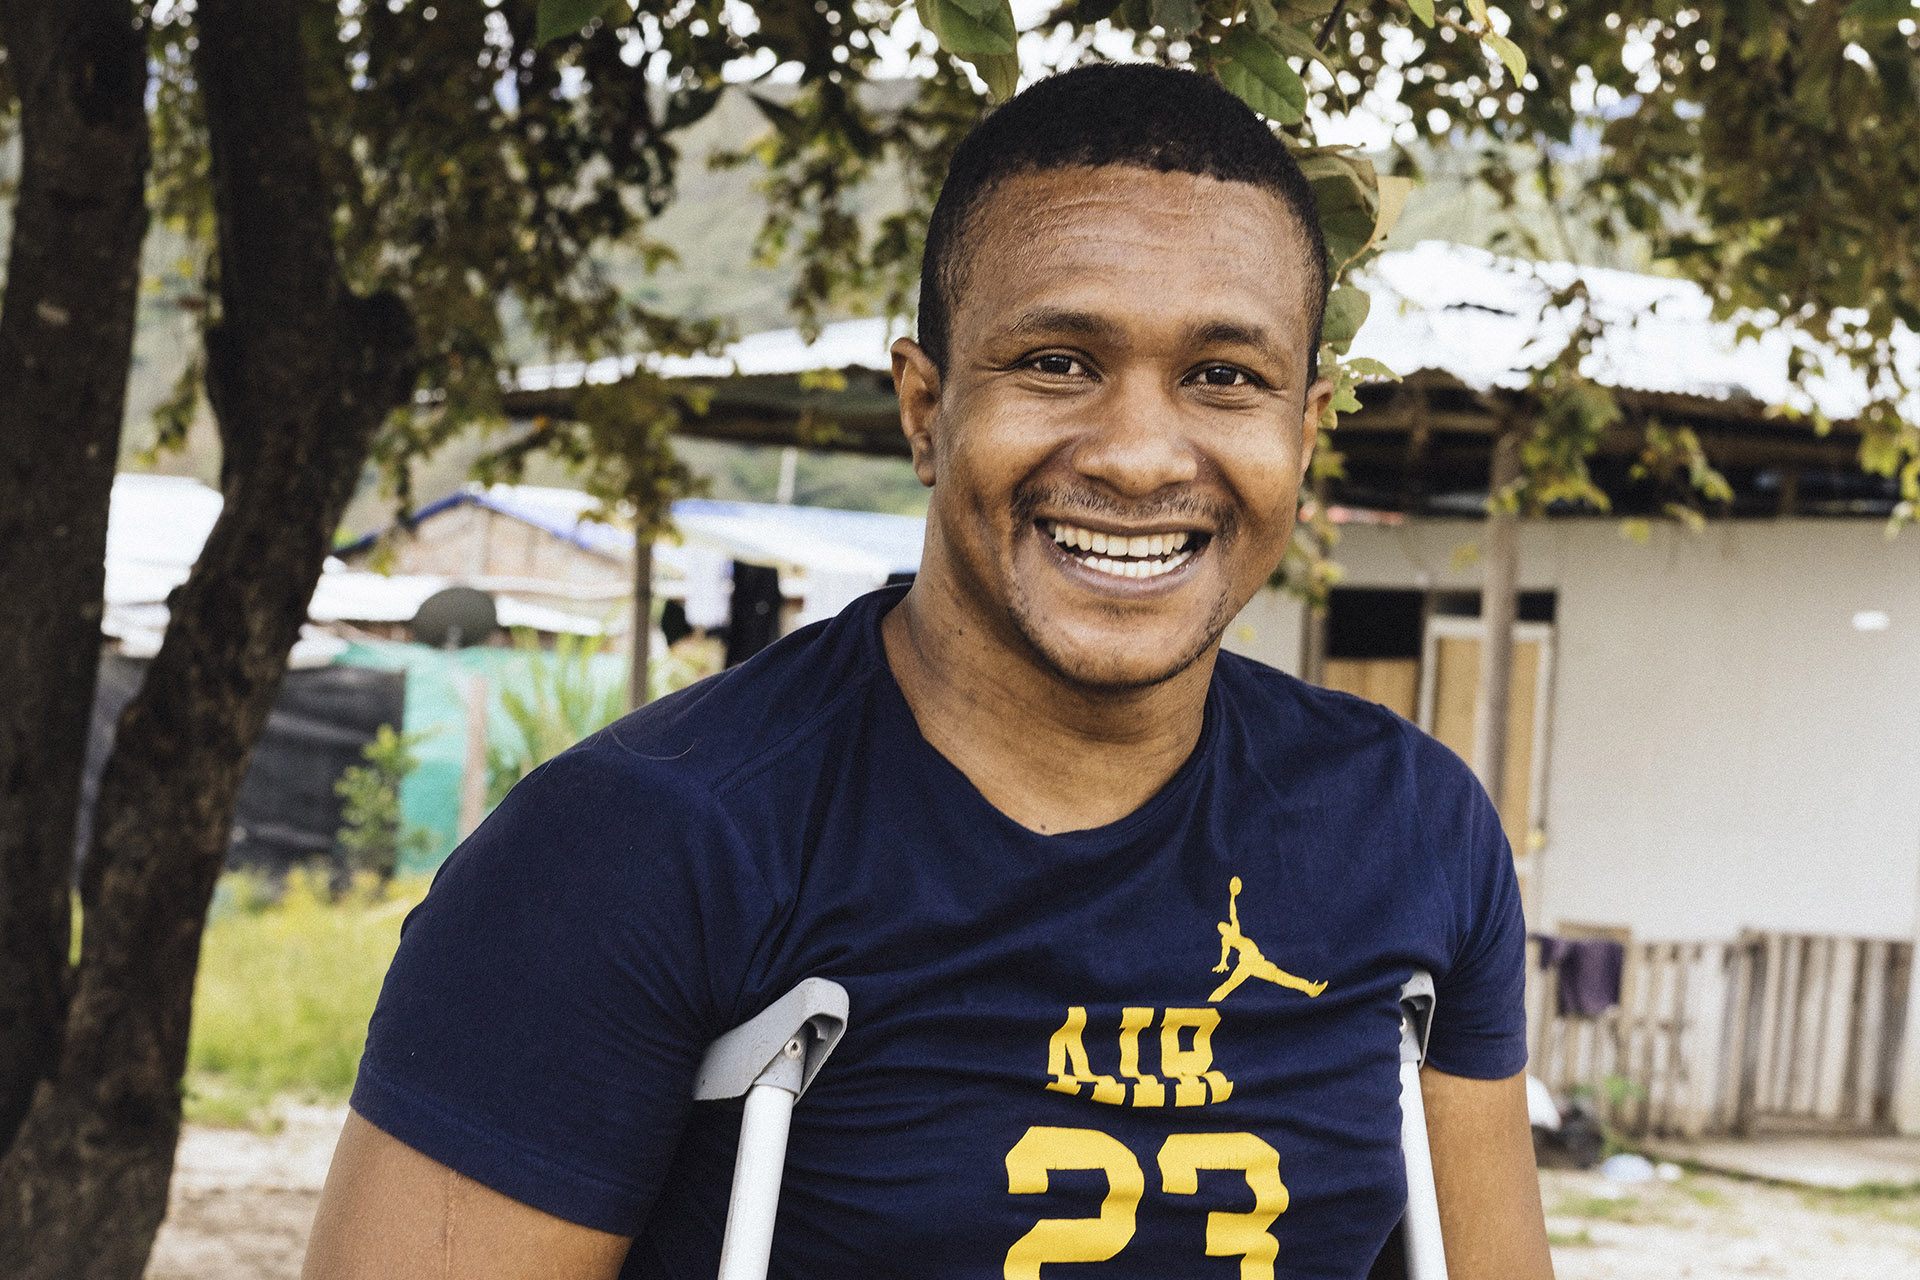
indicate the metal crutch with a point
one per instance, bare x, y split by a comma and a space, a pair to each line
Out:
1426, 1253
771, 1058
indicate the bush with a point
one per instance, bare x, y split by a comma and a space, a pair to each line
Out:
565, 700
373, 836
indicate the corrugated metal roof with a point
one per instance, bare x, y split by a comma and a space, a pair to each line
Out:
808, 537
814, 538
1465, 312
1487, 321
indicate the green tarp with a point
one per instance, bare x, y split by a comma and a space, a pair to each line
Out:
436, 713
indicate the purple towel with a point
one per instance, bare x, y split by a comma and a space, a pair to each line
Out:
1589, 970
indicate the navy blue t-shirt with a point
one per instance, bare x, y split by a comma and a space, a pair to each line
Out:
1168, 1046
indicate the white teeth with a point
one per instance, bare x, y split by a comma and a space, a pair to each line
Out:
1137, 568
1147, 555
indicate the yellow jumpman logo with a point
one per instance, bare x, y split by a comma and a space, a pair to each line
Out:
1252, 964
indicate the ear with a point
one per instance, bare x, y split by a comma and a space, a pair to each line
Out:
1319, 395
917, 382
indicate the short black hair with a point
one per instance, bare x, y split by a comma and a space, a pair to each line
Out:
1140, 114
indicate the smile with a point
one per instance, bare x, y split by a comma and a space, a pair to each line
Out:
1146, 555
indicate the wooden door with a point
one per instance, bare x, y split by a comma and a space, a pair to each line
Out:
1450, 681
1394, 683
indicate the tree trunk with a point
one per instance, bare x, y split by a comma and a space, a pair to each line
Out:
300, 375
66, 342
1313, 621
1313, 644
639, 660
1499, 598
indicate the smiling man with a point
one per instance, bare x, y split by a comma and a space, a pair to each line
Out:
1123, 919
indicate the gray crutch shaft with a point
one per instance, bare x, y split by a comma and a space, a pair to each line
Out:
1426, 1250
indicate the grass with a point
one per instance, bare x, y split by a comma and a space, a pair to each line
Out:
1600, 1208
1888, 1202
285, 990
1709, 1197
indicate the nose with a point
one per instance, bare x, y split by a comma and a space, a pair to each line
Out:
1135, 445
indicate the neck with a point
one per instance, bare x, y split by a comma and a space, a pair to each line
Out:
1052, 755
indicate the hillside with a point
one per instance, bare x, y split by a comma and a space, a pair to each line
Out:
712, 228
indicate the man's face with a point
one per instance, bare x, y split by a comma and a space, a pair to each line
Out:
1117, 446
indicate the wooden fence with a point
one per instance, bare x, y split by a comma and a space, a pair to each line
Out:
1771, 1032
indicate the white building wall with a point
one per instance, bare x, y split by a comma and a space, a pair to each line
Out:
1727, 749
1269, 630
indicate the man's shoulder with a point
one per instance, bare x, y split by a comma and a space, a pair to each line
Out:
728, 724
1292, 714
1289, 703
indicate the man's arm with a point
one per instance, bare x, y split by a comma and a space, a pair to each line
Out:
1484, 1172
390, 1213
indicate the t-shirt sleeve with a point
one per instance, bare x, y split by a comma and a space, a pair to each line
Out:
551, 997
1480, 1022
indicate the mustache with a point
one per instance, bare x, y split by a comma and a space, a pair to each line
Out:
1067, 501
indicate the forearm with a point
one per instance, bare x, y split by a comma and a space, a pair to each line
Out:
391, 1213
1484, 1171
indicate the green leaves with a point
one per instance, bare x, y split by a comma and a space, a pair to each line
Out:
1367, 369
1176, 17
564, 17
1881, 10
1509, 54
1422, 9
1346, 311
1256, 72
1297, 41
980, 32
1261, 14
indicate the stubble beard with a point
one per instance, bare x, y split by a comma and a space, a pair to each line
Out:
1024, 612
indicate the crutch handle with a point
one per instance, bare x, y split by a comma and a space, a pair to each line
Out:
816, 1010
771, 1058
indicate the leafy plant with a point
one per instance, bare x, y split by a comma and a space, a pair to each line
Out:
373, 835
564, 701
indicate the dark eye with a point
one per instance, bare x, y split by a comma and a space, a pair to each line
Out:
1060, 366
1224, 375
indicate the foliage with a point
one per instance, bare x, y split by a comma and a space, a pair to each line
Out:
693, 658
285, 988
477, 180
488, 160
565, 700
373, 836
1765, 149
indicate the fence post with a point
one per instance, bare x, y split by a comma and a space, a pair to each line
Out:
1755, 947
1904, 1070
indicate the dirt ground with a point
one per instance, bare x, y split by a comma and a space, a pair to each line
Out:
243, 1203
1707, 1227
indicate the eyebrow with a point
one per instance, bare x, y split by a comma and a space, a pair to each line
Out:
1062, 320
1228, 333
1049, 321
